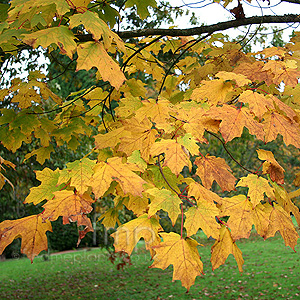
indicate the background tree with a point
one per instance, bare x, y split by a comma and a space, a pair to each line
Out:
154, 105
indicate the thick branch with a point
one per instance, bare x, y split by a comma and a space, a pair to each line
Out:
290, 18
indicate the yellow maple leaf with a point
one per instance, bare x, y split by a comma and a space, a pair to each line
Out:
239, 209
281, 221
93, 54
31, 229
283, 199
257, 187
271, 166
97, 27
138, 205
182, 254
223, 247
127, 235
165, 200
139, 135
240, 79
115, 170
261, 218
61, 36
176, 158
196, 122
275, 123
233, 120
211, 168
215, 91
157, 111
203, 216
67, 204
203, 194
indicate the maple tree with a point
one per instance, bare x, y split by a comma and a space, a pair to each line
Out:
148, 138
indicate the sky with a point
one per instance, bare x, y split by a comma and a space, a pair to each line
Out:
211, 13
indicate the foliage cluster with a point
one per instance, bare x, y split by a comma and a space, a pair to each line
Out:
154, 103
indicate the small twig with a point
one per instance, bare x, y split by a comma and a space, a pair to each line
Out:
164, 177
231, 156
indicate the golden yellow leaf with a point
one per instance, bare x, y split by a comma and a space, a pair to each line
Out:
281, 221
257, 187
261, 218
211, 168
182, 254
138, 205
127, 235
175, 156
223, 247
238, 78
283, 199
93, 54
31, 229
157, 112
271, 166
139, 135
203, 194
115, 170
203, 216
165, 200
214, 91
239, 209
61, 36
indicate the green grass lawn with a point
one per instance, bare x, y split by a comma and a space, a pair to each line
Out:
271, 271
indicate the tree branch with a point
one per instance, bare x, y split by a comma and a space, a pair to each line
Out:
290, 18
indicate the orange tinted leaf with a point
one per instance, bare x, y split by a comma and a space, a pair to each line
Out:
67, 204
271, 166
212, 168
31, 229
82, 220
223, 247
182, 254
233, 121
275, 123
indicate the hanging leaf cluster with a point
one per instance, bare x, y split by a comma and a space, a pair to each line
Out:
147, 149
